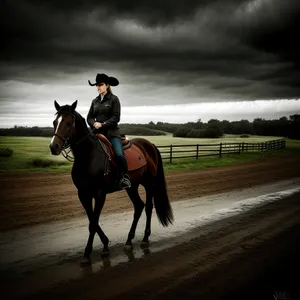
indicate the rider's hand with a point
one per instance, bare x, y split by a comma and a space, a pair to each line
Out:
97, 125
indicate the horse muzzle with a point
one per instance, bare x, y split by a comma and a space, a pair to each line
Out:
55, 146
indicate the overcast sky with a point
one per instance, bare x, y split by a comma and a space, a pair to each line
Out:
176, 61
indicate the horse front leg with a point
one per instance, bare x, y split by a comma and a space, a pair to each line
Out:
86, 199
138, 208
100, 197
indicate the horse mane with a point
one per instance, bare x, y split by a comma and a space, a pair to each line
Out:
81, 120
67, 109
79, 117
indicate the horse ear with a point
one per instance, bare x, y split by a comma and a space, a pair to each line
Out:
74, 105
57, 106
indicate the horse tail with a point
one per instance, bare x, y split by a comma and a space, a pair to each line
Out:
161, 200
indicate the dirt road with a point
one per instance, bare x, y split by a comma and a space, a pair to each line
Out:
247, 256
29, 199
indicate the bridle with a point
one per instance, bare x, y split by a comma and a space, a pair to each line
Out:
66, 147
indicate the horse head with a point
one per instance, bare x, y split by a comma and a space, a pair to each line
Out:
64, 127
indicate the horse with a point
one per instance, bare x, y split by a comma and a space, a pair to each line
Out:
94, 174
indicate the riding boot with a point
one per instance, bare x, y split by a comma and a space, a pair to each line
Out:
124, 182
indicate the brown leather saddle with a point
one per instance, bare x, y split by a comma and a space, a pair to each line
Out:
135, 157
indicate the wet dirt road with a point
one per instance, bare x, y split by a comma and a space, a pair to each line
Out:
212, 251
222, 242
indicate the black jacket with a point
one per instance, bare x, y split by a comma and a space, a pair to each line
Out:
106, 112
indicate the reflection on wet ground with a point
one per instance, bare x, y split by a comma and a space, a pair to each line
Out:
47, 254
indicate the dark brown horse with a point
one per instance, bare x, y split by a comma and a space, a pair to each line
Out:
94, 175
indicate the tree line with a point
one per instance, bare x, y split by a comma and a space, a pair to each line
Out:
284, 127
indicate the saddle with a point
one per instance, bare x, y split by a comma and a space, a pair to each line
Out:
135, 157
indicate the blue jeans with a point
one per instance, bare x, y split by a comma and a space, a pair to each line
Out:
119, 153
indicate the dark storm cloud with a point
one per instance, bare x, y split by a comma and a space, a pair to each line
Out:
244, 48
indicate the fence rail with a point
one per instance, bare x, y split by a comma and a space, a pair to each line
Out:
171, 152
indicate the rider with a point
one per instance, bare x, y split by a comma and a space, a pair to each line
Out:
103, 117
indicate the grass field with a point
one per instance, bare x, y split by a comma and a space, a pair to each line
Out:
229, 138
33, 153
26, 150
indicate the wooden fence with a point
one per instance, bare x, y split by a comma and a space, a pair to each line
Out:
171, 152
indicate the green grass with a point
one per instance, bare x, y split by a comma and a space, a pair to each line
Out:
190, 164
6, 152
292, 144
33, 153
228, 138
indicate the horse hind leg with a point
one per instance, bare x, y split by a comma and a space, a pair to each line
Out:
138, 209
148, 210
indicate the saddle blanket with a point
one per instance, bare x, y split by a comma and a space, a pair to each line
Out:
135, 157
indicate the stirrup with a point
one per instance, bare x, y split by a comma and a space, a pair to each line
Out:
124, 183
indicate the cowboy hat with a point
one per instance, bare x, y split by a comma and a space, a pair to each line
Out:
106, 79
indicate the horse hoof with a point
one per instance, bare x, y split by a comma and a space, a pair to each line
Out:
105, 253
145, 244
85, 262
128, 247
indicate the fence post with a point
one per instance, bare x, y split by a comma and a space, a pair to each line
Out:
243, 146
220, 152
197, 153
171, 153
